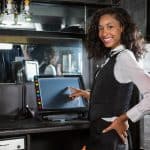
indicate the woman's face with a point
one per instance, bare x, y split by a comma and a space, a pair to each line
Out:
110, 31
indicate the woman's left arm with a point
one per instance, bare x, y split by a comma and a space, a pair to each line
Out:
127, 69
132, 72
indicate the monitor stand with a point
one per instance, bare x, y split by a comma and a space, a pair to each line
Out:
61, 117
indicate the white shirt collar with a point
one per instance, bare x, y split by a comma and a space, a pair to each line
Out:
117, 49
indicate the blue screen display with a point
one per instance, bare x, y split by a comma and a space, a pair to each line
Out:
54, 93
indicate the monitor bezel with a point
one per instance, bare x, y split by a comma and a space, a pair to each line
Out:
78, 110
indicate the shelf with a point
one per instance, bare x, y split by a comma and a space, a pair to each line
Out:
77, 2
23, 36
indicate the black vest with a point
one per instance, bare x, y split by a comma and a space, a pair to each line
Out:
109, 97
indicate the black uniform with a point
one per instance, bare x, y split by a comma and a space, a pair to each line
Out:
109, 98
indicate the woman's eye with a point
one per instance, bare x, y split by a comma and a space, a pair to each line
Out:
110, 27
100, 28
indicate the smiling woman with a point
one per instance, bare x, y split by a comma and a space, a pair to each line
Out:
113, 33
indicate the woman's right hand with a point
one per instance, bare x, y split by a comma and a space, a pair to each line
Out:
120, 124
78, 92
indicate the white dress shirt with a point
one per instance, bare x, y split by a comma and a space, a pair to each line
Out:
126, 70
50, 70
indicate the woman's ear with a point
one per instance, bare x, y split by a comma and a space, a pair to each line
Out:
122, 29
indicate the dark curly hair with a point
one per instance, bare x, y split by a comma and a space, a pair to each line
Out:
131, 37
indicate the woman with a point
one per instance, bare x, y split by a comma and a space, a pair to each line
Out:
112, 33
51, 68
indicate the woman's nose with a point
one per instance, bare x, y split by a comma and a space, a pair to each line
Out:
104, 32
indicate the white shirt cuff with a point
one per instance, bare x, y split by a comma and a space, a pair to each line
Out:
134, 114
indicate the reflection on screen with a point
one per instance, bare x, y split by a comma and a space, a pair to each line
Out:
54, 93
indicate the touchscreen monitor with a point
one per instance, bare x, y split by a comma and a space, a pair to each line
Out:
52, 93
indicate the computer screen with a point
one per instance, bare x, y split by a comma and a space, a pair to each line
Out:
52, 93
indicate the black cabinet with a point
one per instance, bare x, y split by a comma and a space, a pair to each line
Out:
30, 134
64, 140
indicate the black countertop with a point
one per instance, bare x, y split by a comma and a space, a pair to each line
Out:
11, 126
